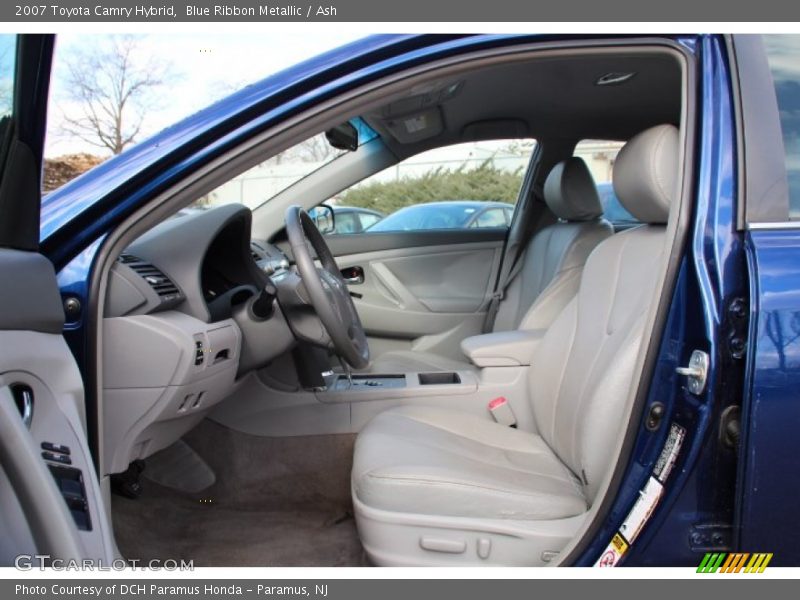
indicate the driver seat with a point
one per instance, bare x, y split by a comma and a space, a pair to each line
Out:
435, 486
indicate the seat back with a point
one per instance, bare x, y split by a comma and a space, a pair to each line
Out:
555, 256
581, 376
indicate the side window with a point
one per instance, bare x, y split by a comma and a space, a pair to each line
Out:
493, 217
346, 223
463, 186
7, 59
783, 54
368, 220
599, 156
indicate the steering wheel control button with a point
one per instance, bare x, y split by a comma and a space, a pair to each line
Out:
60, 448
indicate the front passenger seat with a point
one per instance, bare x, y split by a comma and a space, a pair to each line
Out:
550, 272
435, 486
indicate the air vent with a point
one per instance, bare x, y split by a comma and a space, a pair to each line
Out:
128, 258
162, 284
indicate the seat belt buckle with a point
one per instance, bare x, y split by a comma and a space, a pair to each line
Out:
502, 413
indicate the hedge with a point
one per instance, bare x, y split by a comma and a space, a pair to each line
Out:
485, 182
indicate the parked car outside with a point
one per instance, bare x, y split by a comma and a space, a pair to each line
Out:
354, 219
447, 214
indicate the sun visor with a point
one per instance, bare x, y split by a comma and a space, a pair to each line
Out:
416, 126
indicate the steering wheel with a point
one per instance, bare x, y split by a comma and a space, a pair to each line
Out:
327, 290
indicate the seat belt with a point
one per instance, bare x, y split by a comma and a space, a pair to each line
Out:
502, 287
507, 276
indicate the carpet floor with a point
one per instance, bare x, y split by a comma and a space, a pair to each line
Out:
275, 502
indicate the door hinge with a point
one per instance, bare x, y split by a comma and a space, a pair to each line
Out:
737, 339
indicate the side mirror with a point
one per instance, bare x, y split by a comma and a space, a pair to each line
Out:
343, 137
323, 218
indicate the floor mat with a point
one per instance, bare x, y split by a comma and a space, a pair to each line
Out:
180, 468
276, 502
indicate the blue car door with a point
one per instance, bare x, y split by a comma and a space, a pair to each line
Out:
769, 79
42, 427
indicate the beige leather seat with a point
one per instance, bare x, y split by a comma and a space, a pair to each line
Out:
439, 486
551, 269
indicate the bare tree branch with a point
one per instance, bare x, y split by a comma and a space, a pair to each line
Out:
113, 87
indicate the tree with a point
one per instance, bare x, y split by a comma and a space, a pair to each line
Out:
111, 87
6, 83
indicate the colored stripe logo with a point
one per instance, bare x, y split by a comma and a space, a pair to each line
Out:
737, 562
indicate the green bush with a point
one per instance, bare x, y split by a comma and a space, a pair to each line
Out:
485, 182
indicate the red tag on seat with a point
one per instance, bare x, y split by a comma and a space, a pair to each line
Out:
502, 413
497, 402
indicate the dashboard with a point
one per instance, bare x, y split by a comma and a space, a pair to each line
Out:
179, 330
203, 264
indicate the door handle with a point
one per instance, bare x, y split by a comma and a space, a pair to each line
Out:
353, 275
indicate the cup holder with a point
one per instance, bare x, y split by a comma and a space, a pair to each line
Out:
439, 378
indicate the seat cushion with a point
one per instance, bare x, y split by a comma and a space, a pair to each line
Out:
408, 361
450, 463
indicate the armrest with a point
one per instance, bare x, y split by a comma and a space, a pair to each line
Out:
503, 348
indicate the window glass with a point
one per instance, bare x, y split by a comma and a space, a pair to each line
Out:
7, 59
346, 223
493, 217
599, 156
111, 91
267, 179
455, 187
368, 220
783, 53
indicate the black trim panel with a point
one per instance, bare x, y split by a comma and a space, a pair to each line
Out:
346, 244
29, 296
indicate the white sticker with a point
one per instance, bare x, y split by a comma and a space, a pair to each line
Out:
670, 452
642, 509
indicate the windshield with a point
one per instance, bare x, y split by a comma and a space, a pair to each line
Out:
266, 180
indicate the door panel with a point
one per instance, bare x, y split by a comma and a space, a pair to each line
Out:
37, 370
770, 445
426, 297
50, 499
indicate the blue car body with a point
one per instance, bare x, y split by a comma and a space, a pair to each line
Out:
733, 287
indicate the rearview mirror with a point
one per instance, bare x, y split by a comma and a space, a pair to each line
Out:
323, 218
343, 137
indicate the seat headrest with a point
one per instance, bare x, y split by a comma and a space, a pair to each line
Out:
570, 192
646, 173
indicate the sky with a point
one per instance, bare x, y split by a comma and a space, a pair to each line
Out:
206, 67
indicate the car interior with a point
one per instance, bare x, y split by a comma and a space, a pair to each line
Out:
269, 396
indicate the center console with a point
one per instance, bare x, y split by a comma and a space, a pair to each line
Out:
361, 387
